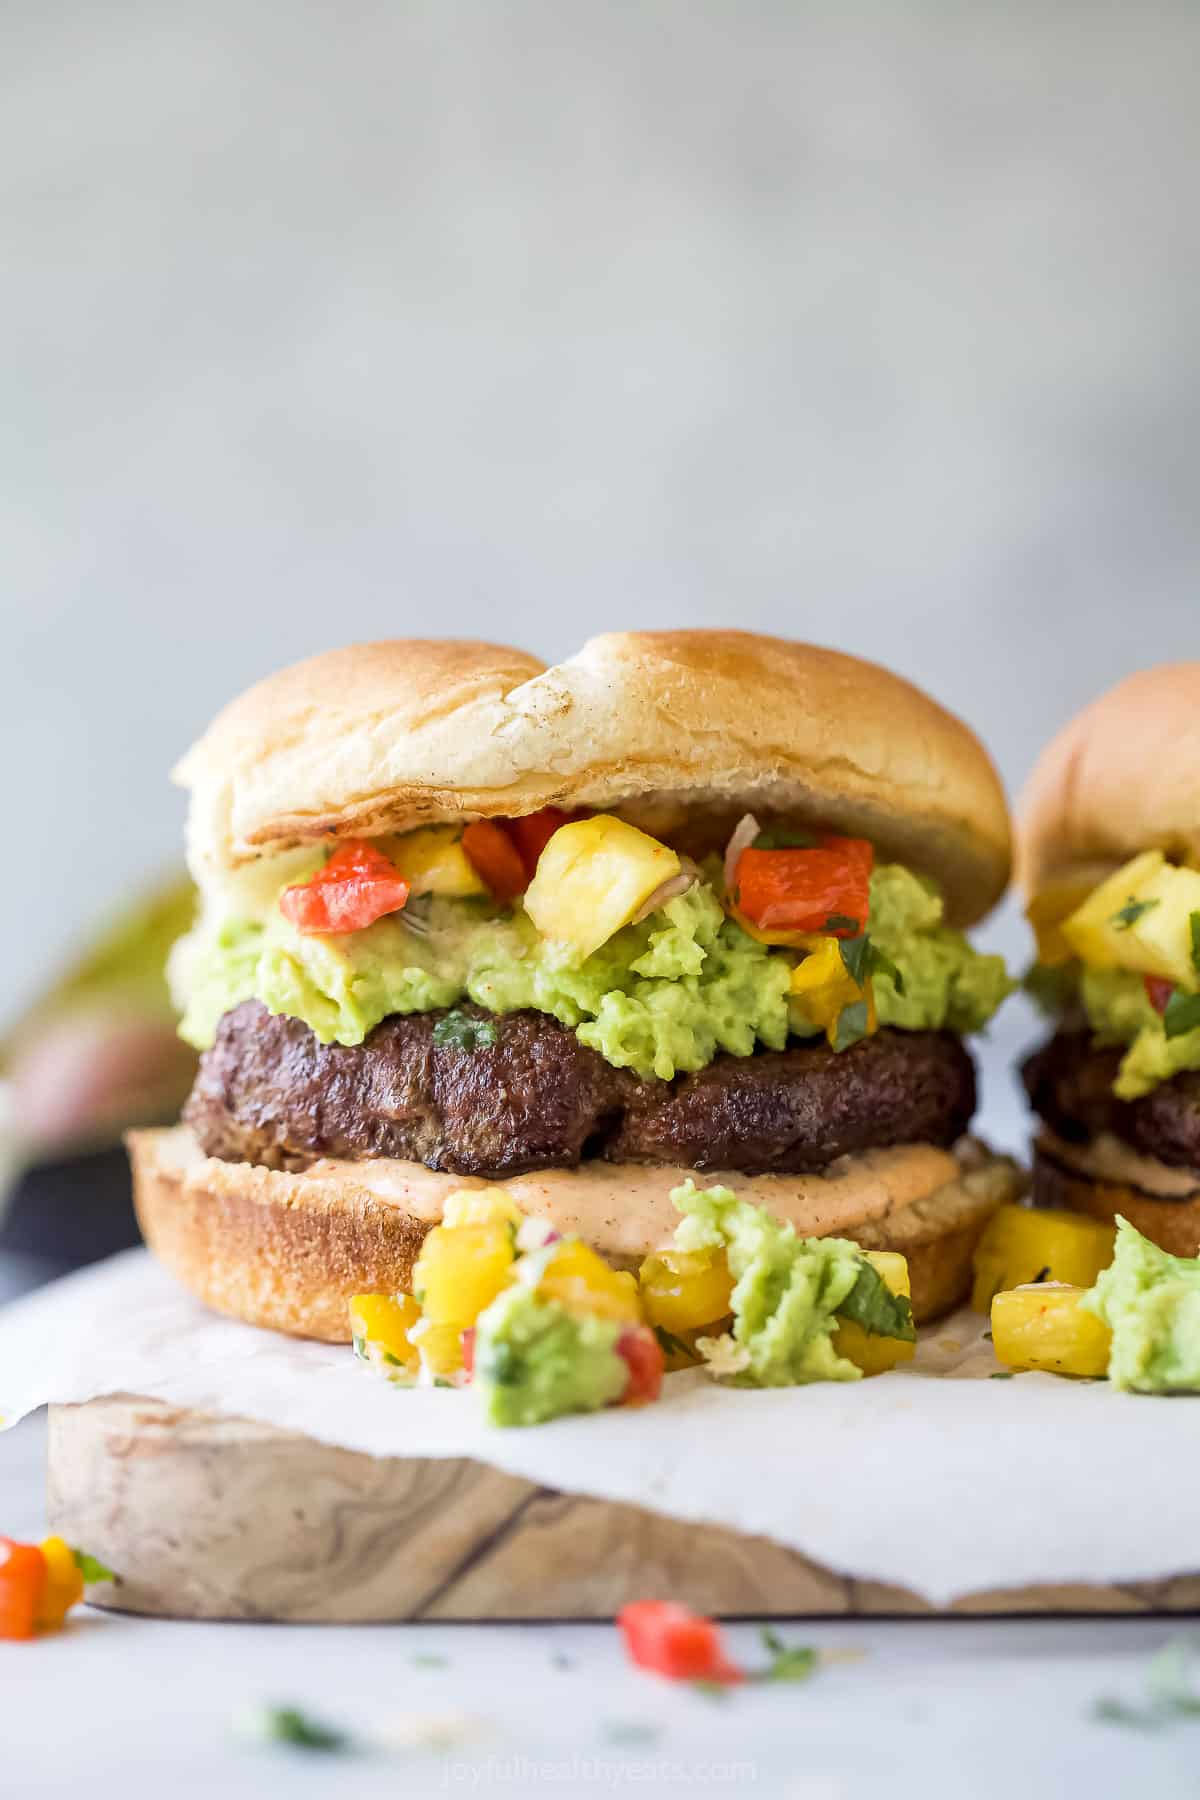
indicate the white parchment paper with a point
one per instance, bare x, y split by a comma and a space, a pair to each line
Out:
936, 1478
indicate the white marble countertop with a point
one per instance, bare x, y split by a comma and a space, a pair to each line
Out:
969, 1707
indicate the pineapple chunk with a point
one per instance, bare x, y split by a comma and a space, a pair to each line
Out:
1100, 931
581, 1282
1162, 935
433, 861
481, 1206
593, 877
873, 1354
683, 1290
440, 1349
821, 987
1018, 1244
1046, 913
461, 1269
380, 1324
1044, 1327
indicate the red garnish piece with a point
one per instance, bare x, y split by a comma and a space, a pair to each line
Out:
643, 1353
532, 833
669, 1640
495, 859
1158, 991
22, 1579
356, 886
824, 890
468, 1351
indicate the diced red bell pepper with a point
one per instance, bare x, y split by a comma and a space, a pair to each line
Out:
532, 833
358, 885
669, 1640
822, 890
1158, 991
643, 1353
468, 1352
495, 859
22, 1579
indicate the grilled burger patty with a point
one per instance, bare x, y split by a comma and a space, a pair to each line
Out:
1069, 1083
528, 1095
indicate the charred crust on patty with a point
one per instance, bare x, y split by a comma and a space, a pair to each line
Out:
1069, 1081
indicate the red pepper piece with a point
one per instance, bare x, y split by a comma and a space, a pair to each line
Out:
468, 1351
1158, 991
496, 860
643, 1353
671, 1641
22, 1579
532, 833
357, 886
823, 890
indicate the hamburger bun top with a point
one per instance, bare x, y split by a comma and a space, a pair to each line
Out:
667, 728
1123, 776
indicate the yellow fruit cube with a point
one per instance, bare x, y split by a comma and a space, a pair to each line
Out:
684, 1290
481, 1206
1044, 1327
461, 1269
1019, 1244
1099, 930
1053, 903
1161, 934
433, 861
380, 1324
64, 1583
821, 987
873, 1354
592, 877
581, 1282
440, 1348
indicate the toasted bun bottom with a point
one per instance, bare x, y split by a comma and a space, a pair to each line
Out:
1172, 1224
287, 1251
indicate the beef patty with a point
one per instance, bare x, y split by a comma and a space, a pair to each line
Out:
1069, 1083
529, 1095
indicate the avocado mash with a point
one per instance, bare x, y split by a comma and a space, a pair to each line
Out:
534, 1361
1150, 1301
660, 997
789, 1293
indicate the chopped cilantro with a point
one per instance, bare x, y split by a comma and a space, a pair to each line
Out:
1043, 1274
853, 1024
782, 837
789, 1662
1171, 1693
670, 1345
987, 1337
360, 1345
1002, 1375
90, 1567
712, 1690
843, 922
1130, 913
389, 1356
1194, 926
872, 1304
1182, 1014
861, 959
630, 1731
458, 1031
288, 1725
427, 1660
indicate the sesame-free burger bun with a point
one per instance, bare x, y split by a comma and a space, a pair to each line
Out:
667, 728
287, 1250
1122, 777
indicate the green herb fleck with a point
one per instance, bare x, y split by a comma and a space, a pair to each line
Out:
630, 1731
861, 959
781, 837
360, 1345
389, 1356
1002, 1375
1043, 1274
872, 1304
1182, 1014
90, 1567
428, 1660
288, 1725
1130, 913
712, 1690
670, 1345
458, 1031
843, 922
1194, 926
1171, 1693
789, 1662
987, 1337
852, 1025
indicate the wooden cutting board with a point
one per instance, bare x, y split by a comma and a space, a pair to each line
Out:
215, 1518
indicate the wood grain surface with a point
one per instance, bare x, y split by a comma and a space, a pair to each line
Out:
214, 1518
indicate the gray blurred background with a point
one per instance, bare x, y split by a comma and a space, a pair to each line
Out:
869, 323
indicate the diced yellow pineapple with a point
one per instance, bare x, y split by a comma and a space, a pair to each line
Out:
380, 1323
581, 1282
821, 987
873, 1354
481, 1206
684, 1290
591, 879
1019, 1243
1161, 936
432, 861
1098, 931
461, 1269
1053, 903
1044, 1327
440, 1348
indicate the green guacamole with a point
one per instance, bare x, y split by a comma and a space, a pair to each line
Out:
1151, 1303
534, 1362
661, 997
1118, 1010
789, 1293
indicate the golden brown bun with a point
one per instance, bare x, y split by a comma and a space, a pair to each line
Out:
1123, 776
659, 725
1172, 1224
287, 1251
